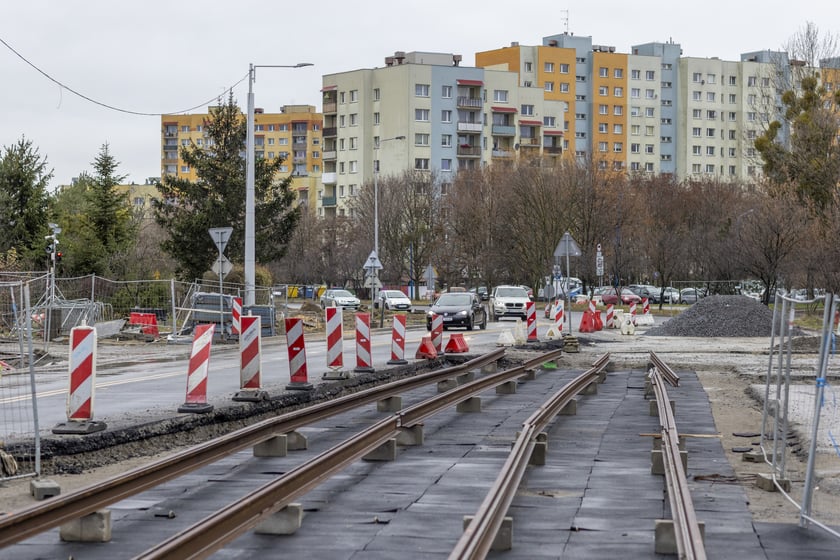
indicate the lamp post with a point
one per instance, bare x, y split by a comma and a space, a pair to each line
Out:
376, 206
250, 253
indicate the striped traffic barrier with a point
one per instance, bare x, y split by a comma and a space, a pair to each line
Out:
610, 322
363, 356
236, 316
196, 400
250, 364
296, 345
334, 319
633, 312
559, 311
645, 318
437, 332
82, 384
398, 341
531, 318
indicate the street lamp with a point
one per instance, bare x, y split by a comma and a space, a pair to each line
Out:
250, 253
376, 205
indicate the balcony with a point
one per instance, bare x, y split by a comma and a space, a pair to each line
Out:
469, 151
553, 151
529, 142
299, 159
503, 154
330, 106
329, 178
474, 127
328, 201
330, 132
470, 102
332, 154
299, 145
503, 130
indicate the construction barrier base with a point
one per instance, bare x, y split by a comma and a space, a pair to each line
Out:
336, 375
86, 427
196, 408
456, 344
397, 362
250, 396
299, 386
427, 350
363, 369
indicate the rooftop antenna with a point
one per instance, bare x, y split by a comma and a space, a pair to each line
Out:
565, 19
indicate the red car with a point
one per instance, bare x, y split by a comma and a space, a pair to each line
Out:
609, 297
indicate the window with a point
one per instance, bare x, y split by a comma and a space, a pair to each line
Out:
710, 151
732, 135
695, 168
649, 111
635, 111
648, 148
376, 94
711, 115
711, 78
697, 96
649, 167
580, 116
751, 116
341, 167
500, 95
603, 72
665, 140
315, 154
635, 148
603, 110
618, 129
697, 77
377, 118
549, 86
710, 132
634, 166
446, 92
446, 140
648, 131
618, 147
421, 164
697, 113
548, 67
528, 67
765, 82
603, 90
650, 75
602, 128
752, 81
696, 132
710, 168
421, 115
732, 116
751, 135
618, 73
353, 143
549, 121
341, 97
618, 92
564, 68
564, 87
635, 130
446, 165
354, 95
446, 116
185, 169
665, 122
752, 98
354, 119
732, 98
527, 110
421, 139
710, 96
731, 152
733, 81
421, 90
696, 150
635, 74
666, 85
603, 146
650, 94
342, 121
635, 93
732, 170
354, 167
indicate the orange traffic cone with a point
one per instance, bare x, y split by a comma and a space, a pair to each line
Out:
456, 344
587, 323
427, 350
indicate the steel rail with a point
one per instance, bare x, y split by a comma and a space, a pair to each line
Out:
60, 509
216, 530
687, 533
666, 371
478, 537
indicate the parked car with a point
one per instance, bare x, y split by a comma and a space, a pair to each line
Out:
645, 291
529, 291
339, 298
691, 295
458, 309
611, 296
670, 295
509, 301
393, 300
482, 292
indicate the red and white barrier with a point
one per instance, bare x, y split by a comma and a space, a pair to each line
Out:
646, 318
633, 312
296, 345
236, 316
82, 384
437, 332
250, 364
364, 362
597, 324
610, 316
559, 312
196, 400
531, 319
335, 342
398, 341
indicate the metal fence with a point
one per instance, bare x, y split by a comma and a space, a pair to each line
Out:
800, 433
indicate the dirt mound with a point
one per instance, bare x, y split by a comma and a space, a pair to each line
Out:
726, 316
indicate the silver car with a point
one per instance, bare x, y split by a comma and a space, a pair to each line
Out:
394, 300
339, 298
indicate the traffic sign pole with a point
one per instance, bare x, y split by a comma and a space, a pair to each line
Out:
221, 236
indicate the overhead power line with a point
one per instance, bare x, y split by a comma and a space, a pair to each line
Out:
112, 107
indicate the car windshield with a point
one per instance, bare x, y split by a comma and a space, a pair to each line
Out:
454, 299
342, 293
393, 294
511, 292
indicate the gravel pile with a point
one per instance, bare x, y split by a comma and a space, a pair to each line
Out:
721, 316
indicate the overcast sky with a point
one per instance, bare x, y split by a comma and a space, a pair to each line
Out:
159, 56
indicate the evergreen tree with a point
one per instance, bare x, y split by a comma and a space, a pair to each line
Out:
188, 209
24, 201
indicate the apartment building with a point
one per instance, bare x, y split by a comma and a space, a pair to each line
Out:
293, 134
423, 111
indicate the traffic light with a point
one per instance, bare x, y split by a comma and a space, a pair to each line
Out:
58, 256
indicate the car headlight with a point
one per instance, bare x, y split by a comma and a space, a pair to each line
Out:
462, 313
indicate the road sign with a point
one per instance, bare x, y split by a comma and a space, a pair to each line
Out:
372, 262
599, 265
221, 236
567, 247
372, 282
222, 266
